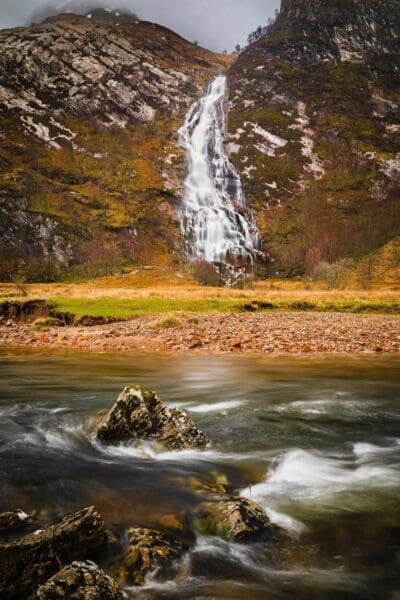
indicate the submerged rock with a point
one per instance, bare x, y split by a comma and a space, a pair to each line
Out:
233, 518
148, 550
80, 581
31, 560
14, 520
143, 415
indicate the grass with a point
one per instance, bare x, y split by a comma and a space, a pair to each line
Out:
129, 298
136, 307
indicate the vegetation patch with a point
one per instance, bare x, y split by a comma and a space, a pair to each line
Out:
45, 324
168, 323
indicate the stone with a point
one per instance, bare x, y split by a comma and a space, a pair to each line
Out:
80, 581
14, 520
143, 415
233, 518
27, 562
148, 550
196, 344
236, 343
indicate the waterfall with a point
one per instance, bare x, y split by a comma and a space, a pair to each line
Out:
216, 224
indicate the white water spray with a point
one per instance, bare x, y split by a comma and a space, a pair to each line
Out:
216, 223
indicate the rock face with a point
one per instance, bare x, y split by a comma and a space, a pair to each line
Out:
31, 560
341, 30
89, 109
233, 518
80, 581
14, 520
147, 551
142, 415
314, 131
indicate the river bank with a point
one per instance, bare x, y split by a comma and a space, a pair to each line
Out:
256, 333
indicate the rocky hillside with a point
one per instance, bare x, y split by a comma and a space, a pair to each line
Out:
91, 172
314, 127
89, 166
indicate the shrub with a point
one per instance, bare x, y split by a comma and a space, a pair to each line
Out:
205, 273
335, 275
168, 323
45, 324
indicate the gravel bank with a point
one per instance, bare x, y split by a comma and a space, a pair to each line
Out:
262, 333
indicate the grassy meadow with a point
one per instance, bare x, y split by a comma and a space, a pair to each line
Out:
149, 293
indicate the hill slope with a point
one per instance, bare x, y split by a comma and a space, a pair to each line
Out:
91, 172
314, 128
89, 167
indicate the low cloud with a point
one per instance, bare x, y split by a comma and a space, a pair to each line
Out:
215, 24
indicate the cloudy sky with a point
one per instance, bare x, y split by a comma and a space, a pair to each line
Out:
216, 24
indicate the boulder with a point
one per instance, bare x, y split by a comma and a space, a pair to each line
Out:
233, 518
14, 520
27, 562
143, 415
80, 581
148, 550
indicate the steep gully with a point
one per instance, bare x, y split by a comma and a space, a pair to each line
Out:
216, 223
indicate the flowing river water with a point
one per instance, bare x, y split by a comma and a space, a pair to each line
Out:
316, 441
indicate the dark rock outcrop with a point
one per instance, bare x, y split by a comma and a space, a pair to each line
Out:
14, 520
80, 581
31, 560
233, 518
148, 550
28, 311
143, 415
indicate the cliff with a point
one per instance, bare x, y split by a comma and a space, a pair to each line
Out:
314, 128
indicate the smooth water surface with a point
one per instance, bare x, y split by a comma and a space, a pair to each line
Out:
316, 441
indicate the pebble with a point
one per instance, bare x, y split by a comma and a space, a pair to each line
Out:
263, 333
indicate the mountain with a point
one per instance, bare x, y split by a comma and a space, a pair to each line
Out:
91, 171
314, 126
83, 7
89, 165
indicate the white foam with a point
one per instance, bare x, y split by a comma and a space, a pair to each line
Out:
366, 451
303, 476
215, 407
215, 220
289, 523
153, 451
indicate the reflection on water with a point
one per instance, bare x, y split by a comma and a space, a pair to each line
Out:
315, 441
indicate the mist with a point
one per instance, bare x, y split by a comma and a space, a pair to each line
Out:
215, 24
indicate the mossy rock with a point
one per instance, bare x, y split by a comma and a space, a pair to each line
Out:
233, 518
147, 550
80, 581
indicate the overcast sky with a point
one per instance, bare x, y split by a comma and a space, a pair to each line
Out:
216, 24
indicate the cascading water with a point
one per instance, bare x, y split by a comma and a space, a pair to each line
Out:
216, 223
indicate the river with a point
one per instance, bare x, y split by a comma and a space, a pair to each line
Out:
316, 441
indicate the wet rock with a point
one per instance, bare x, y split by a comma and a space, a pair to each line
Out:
233, 518
80, 581
143, 415
31, 560
149, 550
14, 520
